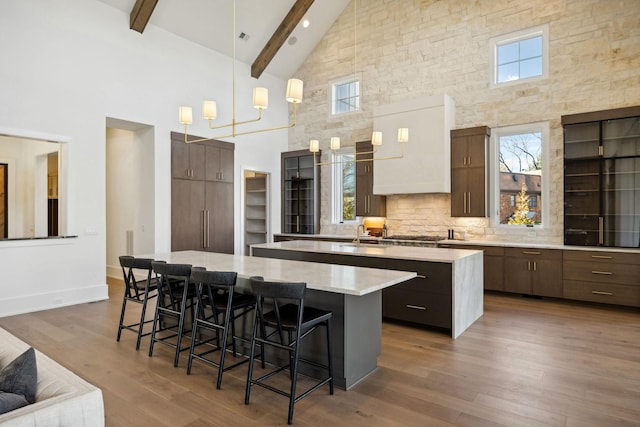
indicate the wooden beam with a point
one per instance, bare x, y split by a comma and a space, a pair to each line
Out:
280, 36
141, 13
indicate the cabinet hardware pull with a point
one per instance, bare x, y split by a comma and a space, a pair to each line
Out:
606, 273
601, 231
208, 226
297, 224
464, 202
469, 196
420, 276
601, 257
416, 307
531, 252
222, 176
528, 265
204, 231
535, 266
469, 161
600, 150
601, 293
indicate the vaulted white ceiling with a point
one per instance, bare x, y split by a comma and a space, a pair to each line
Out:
210, 23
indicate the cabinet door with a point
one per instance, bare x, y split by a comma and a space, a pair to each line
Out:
367, 204
459, 180
547, 278
493, 272
180, 160
219, 217
517, 275
187, 215
219, 164
197, 161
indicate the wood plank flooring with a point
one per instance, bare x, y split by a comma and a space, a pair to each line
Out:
526, 362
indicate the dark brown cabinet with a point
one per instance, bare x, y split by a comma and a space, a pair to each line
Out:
493, 263
602, 178
201, 195
300, 193
469, 172
533, 271
367, 203
425, 299
606, 277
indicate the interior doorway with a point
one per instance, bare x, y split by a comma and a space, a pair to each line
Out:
130, 192
256, 208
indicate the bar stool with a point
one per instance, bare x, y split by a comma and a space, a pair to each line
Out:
291, 315
136, 291
218, 307
173, 293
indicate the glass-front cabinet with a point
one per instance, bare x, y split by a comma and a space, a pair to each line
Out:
300, 193
602, 178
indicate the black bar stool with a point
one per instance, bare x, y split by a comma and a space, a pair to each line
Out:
136, 291
218, 308
173, 293
288, 314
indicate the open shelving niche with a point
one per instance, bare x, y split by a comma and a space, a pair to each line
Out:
256, 219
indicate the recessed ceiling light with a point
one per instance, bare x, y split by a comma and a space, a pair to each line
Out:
305, 23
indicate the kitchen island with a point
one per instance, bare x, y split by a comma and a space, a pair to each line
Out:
353, 294
446, 293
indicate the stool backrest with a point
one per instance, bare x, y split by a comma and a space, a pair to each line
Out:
278, 290
169, 278
129, 264
214, 278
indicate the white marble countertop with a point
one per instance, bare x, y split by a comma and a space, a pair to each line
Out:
323, 277
381, 251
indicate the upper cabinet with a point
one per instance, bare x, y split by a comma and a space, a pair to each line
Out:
469, 171
367, 203
300, 193
201, 161
602, 178
424, 168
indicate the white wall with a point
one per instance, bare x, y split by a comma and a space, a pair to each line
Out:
67, 66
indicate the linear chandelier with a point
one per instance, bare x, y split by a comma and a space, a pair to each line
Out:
260, 102
376, 136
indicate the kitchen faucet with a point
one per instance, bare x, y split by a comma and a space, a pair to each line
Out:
357, 239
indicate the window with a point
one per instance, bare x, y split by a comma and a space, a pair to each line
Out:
519, 157
345, 96
344, 186
520, 55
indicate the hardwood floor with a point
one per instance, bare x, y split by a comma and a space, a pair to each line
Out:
526, 362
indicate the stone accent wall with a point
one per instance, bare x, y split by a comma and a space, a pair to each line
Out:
413, 48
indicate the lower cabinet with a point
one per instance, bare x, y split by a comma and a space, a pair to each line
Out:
533, 271
606, 277
426, 299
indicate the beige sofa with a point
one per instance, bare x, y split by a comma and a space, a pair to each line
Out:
62, 399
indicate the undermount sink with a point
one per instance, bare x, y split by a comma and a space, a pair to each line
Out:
371, 248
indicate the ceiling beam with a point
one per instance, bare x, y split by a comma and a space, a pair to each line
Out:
141, 13
278, 38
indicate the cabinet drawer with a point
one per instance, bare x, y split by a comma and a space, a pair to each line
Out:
601, 272
608, 293
426, 285
534, 253
602, 257
423, 308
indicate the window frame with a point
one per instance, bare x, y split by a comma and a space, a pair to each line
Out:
517, 36
331, 92
337, 186
494, 180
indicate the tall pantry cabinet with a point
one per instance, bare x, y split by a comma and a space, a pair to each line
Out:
201, 195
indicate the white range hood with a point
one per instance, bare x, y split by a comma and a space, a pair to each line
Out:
426, 165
